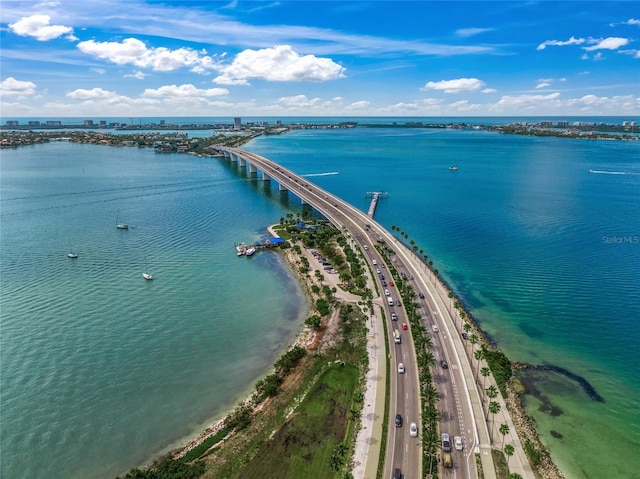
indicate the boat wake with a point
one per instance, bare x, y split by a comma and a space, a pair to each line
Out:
322, 174
603, 172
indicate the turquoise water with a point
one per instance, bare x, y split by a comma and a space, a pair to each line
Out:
101, 371
523, 232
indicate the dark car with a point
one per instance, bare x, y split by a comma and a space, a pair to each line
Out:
444, 364
398, 303
421, 295
398, 420
396, 474
465, 335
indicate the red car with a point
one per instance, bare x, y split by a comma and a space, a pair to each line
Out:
404, 326
391, 283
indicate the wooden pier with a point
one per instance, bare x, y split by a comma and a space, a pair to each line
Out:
375, 196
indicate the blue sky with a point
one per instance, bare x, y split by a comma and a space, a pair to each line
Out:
122, 58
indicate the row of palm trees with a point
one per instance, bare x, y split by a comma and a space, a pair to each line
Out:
489, 393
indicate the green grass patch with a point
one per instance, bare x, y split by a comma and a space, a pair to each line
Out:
199, 450
500, 463
304, 445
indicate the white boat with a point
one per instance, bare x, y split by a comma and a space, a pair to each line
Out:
148, 276
453, 168
71, 253
241, 249
121, 226
250, 251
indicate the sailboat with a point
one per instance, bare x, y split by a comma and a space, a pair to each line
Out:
121, 226
71, 253
145, 275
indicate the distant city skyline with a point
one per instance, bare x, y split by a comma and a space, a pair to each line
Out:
124, 58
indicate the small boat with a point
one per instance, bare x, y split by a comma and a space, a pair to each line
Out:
147, 276
71, 253
250, 251
241, 249
121, 226
453, 168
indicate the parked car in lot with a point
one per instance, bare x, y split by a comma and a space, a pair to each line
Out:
398, 420
446, 442
401, 368
457, 442
444, 364
404, 326
413, 430
435, 328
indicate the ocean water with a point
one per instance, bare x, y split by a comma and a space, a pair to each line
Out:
544, 253
102, 371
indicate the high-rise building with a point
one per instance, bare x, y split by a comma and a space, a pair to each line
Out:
237, 123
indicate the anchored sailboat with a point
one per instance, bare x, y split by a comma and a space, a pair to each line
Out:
146, 275
71, 253
121, 226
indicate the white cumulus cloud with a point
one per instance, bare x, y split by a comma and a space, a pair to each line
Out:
183, 91
299, 101
93, 94
611, 43
543, 84
132, 51
279, 63
13, 87
560, 43
527, 100
459, 85
37, 26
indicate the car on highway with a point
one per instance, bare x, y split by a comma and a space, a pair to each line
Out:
387, 293
398, 420
435, 328
396, 474
446, 442
404, 326
465, 335
384, 283
421, 295
457, 442
413, 430
398, 303
444, 364
391, 283
382, 265
394, 317
366, 247
378, 271
401, 368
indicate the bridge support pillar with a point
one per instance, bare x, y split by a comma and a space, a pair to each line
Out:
234, 158
265, 177
252, 168
281, 187
242, 161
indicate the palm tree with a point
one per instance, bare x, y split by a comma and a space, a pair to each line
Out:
479, 355
491, 392
508, 451
473, 339
486, 372
504, 430
494, 408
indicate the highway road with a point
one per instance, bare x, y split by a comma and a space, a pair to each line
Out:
456, 393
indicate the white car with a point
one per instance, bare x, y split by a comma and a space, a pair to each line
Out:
413, 430
387, 293
435, 328
401, 368
366, 247
457, 443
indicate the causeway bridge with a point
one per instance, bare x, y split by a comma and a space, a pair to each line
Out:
460, 400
